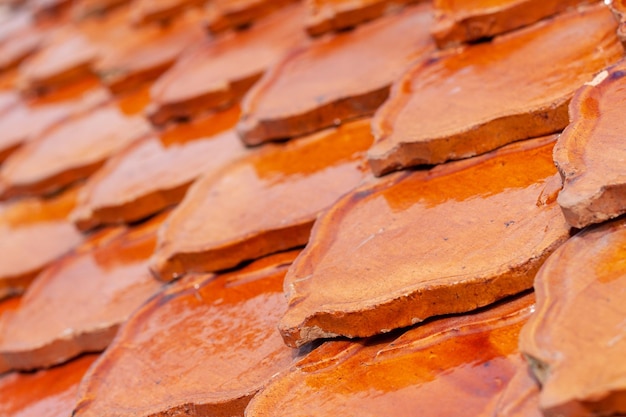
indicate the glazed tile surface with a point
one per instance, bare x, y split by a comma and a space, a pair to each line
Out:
265, 203
71, 151
223, 15
156, 172
45, 393
76, 305
578, 327
590, 154
220, 71
335, 79
215, 341
447, 365
468, 102
464, 21
333, 15
374, 260
34, 233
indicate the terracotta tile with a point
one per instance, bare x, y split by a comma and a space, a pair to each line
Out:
70, 151
67, 55
466, 104
619, 10
265, 203
334, 15
576, 337
46, 393
222, 15
466, 21
13, 22
590, 153
520, 398
200, 349
221, 71
20, 46
95, 8
419, 244
336, 78
34, 233
77, 304
147, 52
29, 119
447, 365
156, 172
146, 11
7, 305
49, 10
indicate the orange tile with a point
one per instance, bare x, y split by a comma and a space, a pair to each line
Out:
336, 78
77, 304
220, 71
264, 203
448, 367
334, 15
619, 10
222, 15
156, 172
95, 8
204, 348
576, 337
146, 11
7, 305
71, 151
46, 393
590, 153
461, 21
67, 55
26, 120
19, 46
419, 244
520, 398
34, 233
142, 54
467, 103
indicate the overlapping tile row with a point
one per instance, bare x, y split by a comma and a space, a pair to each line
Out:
265, 203
390, 256
468, 21
204, 346
485, 96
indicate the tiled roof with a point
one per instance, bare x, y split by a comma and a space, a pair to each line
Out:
200, 213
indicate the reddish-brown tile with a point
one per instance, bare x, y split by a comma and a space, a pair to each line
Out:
222, 15
49, 10
7, 305
143, 54
221, 71
459, 21
515, 87
95, 8
67, 56
619, 9
146, 11
590, 154
204, 348
26, 120
438, 369
265, 203
33, 233
336, 78
19, 46
46, 393
520, 398
77, 304
420, 244
71, 151
576, 337
157, 171
334, 15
